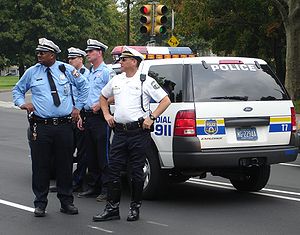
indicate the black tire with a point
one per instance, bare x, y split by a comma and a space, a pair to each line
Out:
155, 178
253, 179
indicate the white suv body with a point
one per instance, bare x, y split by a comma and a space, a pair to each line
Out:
229, 116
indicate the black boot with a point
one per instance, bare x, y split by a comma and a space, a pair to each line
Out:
111, 211
134, 211
136, 201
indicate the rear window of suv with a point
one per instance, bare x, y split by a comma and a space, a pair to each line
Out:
231, 83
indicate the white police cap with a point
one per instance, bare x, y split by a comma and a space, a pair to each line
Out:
47, 45
75, 52
94, 44
130, 52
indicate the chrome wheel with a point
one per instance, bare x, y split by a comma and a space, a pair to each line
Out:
147, 173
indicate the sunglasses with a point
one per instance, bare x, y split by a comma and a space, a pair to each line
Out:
124, 59
42, 52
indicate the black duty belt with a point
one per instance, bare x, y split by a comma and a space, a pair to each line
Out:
52, 121
128, 126
90, 113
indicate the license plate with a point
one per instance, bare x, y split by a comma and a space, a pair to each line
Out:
246, 133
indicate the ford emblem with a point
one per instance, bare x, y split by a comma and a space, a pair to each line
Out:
248, 109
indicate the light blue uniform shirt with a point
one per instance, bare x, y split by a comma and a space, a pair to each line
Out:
35, 79
98, 78
85, 73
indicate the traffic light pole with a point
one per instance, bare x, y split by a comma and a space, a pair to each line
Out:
152, 35
128, 24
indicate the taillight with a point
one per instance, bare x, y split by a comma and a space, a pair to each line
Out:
293, 119
185, 123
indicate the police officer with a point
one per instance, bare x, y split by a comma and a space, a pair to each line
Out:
132, 123
96, 129
76, 58
51, 123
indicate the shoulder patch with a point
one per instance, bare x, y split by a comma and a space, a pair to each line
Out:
75, 73
155, 85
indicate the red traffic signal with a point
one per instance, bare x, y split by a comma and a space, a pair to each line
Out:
145, 19
146, 9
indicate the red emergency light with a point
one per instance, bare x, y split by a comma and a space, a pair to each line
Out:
230, 62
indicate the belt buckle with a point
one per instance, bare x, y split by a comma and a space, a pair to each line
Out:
55, 121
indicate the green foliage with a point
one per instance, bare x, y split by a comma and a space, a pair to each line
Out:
251, 28
297, 105
66, 22
3, 61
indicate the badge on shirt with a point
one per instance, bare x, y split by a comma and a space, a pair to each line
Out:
155, 85
75, 73
62, 77
66, 89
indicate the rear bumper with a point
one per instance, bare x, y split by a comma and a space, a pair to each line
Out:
233, 157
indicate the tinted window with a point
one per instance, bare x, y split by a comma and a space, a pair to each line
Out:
236, 82
169, 77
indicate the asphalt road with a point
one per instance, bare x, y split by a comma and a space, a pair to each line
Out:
209, 206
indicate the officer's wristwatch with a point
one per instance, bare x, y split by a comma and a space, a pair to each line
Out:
152, 117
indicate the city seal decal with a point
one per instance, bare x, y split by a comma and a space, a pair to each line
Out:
211, 127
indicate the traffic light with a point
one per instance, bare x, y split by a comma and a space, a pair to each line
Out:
160, 19
145, 19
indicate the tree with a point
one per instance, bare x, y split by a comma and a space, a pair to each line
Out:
190, 24
66, 22
290, 13
250, 28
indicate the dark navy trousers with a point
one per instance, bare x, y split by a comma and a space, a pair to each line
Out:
79, 141
128, 147
52, 141
97, 134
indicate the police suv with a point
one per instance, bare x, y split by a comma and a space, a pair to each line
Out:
229, 116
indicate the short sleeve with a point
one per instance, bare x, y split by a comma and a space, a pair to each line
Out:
154, 90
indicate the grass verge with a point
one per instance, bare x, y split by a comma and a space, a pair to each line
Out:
8, 82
